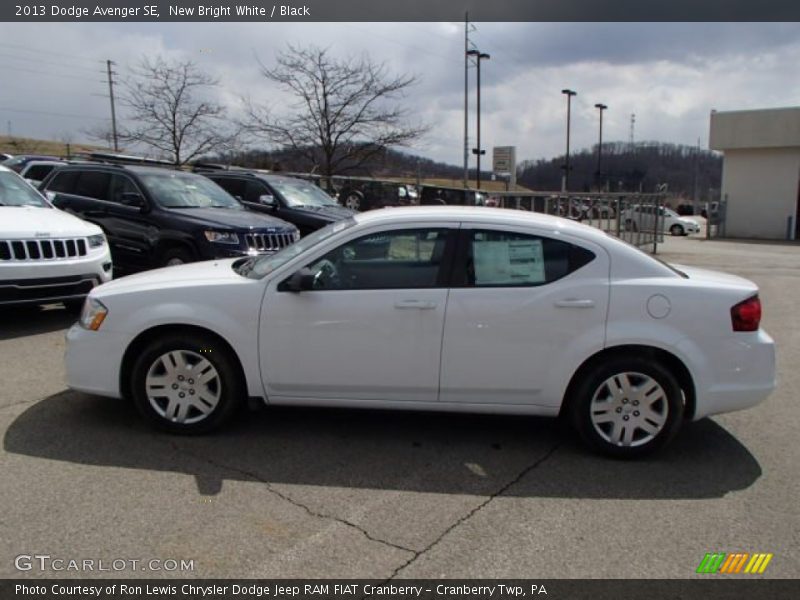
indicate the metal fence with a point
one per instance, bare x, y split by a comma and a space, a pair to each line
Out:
633, 217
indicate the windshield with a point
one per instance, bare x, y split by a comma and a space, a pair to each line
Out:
172, 189
301, 193
15, 191
257, 267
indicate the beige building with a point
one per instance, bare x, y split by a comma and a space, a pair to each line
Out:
760, 171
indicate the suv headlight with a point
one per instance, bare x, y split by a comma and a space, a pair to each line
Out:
93, 314
95, 241
222, 237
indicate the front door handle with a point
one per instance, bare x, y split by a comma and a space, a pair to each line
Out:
575, 303
417, 304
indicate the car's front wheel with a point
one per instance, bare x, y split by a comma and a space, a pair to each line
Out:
676, 230
627, 407
186, 384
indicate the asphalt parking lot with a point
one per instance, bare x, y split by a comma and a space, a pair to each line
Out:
325, 493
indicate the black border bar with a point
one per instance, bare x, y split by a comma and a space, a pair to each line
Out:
400, 10
711, 587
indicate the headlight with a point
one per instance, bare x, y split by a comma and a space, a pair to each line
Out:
93, 314
222, 237
95, 241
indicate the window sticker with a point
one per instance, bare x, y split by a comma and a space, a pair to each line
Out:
511, 262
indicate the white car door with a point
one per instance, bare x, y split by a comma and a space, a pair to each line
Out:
372, 327
523, 312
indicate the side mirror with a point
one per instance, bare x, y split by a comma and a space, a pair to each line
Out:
133, 199
299, 281
267, 200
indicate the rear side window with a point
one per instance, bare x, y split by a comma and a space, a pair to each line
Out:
508, 259
38, 172
235, 187
93, 184
64, 182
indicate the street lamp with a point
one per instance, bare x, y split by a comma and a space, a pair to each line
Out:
479, 56
599, 175
565, 179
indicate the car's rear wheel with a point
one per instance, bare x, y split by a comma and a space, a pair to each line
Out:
676, 229
627, 407
186, 384
353, 201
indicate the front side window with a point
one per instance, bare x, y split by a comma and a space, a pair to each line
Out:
121, 188
410, 258
63, 182
508, 259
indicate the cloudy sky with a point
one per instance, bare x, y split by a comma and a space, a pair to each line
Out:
670, 75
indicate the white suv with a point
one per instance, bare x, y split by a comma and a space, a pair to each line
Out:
46, 255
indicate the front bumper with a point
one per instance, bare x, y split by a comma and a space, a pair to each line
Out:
93, 360
37, 282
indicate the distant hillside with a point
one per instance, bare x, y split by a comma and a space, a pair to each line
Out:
626, 168
18, 145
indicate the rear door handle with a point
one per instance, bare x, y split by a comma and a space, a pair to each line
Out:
417, 304
575, 303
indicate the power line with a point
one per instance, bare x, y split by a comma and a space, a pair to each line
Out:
60, 54
47, 62
52, 114
50, 73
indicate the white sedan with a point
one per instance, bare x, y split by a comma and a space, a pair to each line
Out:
434, 308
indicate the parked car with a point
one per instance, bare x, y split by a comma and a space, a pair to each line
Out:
294, 200
4, 156
155, 216
362, 194
643, 218
46, 255
465, 309
35, 171
17, 163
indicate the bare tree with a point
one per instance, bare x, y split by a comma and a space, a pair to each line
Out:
169, 110
345, 111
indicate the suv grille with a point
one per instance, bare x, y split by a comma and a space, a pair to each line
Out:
268, 242
42, 249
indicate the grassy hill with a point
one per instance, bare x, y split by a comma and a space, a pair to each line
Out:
18, 145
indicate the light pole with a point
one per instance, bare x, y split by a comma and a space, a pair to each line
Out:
565, 179
599, 175
479, 56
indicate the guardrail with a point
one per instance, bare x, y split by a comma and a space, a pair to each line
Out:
636, 218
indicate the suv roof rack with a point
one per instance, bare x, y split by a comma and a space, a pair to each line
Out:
124, 159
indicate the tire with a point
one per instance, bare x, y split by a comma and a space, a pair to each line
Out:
177, 402
608, 402
676, 230
176, 256
353, 200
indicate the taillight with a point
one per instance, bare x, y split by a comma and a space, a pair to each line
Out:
746, 316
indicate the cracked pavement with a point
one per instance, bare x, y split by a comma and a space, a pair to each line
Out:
326, 493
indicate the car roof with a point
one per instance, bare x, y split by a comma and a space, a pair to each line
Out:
479, 214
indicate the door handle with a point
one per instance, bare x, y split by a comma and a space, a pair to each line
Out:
417, 304
575, 303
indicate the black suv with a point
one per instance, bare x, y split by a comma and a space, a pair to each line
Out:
154, 217
295, 200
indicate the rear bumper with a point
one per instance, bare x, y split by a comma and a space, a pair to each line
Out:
748, 374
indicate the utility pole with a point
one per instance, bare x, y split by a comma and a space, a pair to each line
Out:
466, 104
478, 56
111, 97
633, 121
565, 180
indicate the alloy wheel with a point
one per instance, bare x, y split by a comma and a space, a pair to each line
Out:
183, 387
